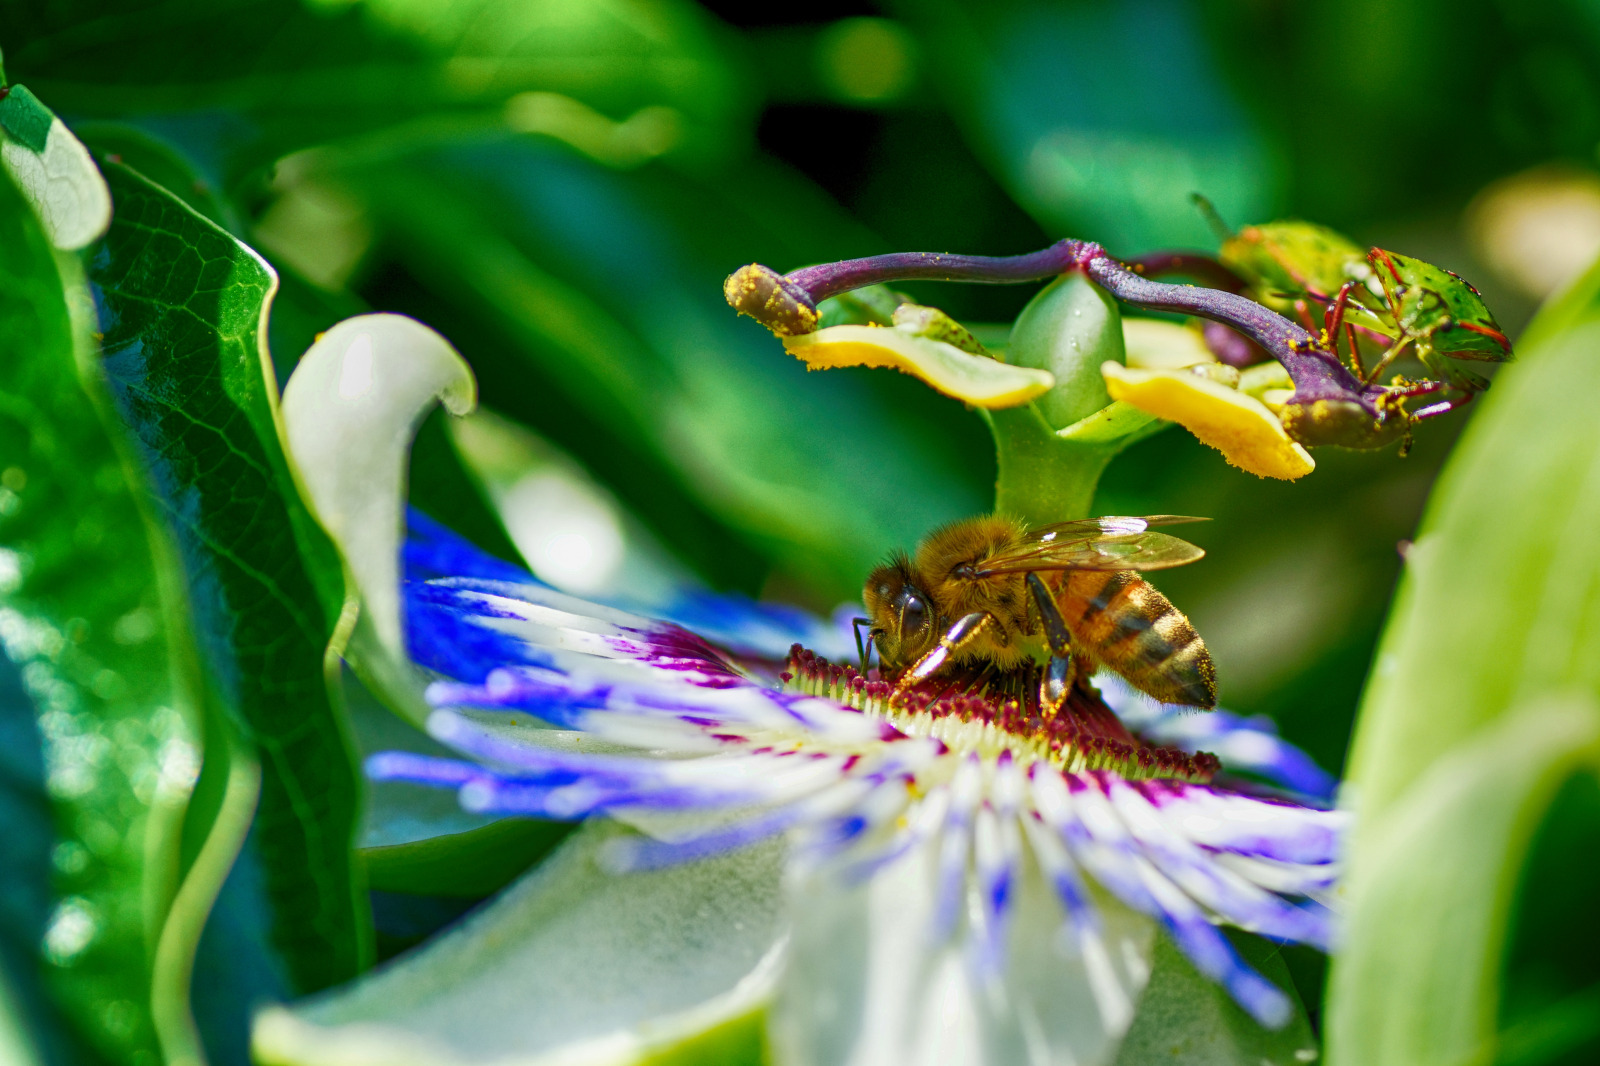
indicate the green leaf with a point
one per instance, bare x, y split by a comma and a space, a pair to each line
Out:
587, 302
183, 309
164, 163
295, 74
1479, 706
88, 615
655, 967
1185, 1018
1500, 589
1433, 883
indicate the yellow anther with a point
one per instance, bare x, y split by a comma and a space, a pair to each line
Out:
1239, 426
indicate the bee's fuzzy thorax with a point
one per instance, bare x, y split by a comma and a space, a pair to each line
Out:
1083, 735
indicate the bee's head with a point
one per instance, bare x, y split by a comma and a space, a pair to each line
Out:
902, 616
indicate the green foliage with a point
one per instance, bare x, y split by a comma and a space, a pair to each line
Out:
182, 307
665, 963
94, 622
297, 74
559, 187
585, 283
1286, 260
1482, 703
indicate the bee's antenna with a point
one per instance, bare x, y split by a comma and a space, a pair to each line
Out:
863, 650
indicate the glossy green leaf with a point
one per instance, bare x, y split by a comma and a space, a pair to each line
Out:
299, 74
86, 616
655, 967
1185, 1018
1498, 616
182, 308
164, 163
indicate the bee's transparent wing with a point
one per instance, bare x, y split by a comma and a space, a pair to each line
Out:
1111, 525
1097, 551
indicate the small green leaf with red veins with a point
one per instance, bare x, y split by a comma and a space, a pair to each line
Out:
1440, 309
1289, 260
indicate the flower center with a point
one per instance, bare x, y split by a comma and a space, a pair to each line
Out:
989, 715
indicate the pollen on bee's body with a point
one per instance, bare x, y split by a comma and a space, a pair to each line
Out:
1084, 734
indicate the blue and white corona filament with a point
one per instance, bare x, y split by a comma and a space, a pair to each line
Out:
964, 825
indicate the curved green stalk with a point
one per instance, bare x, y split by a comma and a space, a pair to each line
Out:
1049, 467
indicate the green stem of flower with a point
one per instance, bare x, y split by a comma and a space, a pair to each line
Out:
1070, 328
1042, 477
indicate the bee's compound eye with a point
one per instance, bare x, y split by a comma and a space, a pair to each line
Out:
912, 610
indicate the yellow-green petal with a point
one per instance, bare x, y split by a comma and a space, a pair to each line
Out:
979, 381
1240, 427
1154, 344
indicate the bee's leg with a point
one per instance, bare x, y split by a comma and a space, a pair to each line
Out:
861, 649
1056, 684
1058, 677
966, 628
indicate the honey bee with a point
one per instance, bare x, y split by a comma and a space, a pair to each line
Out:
1007, 599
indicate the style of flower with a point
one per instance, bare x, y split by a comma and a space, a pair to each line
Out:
959, 865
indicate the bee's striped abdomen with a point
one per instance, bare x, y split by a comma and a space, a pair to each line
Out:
1124, 622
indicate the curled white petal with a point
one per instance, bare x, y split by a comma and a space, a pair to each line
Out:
350, 410
64, 186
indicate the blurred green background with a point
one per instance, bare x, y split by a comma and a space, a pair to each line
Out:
559, 186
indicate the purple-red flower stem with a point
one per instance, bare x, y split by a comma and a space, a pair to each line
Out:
1197, 265
1317, 372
